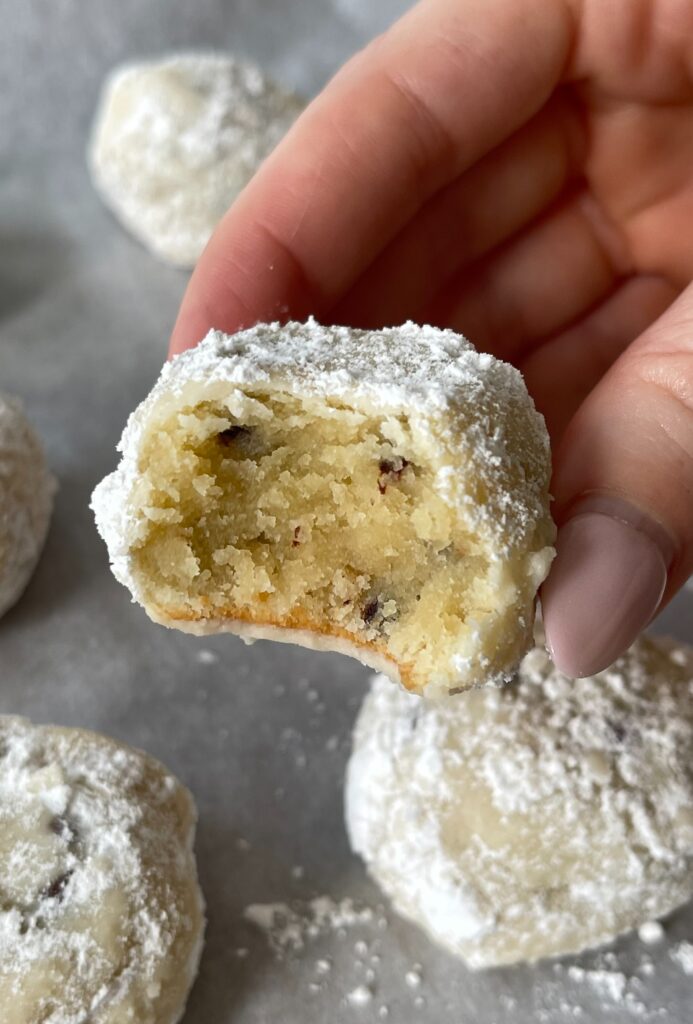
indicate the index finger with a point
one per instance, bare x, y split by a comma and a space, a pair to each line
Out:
402, 119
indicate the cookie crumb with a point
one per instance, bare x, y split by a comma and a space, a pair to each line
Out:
359, 996
650, 932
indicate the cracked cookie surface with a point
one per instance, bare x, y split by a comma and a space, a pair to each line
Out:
101, 915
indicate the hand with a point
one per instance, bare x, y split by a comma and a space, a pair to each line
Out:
521, 172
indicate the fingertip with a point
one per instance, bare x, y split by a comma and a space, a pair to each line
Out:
603, 589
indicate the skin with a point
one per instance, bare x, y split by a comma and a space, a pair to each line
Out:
520, 172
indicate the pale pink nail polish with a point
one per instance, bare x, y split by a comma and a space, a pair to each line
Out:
604, 587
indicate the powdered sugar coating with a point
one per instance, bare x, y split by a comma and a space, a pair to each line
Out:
539, 819
401, 369
26, 500
101, 915
476, 421
176, 139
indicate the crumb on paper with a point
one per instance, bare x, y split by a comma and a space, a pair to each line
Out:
359, 996
650, 932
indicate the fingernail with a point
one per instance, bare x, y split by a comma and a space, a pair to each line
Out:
604, 587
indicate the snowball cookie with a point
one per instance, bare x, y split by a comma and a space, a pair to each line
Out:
379, 493
534, 820
26, 500
101, 916
175, 141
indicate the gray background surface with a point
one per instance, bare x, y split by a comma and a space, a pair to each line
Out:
260, 734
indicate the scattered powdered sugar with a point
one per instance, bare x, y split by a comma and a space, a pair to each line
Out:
289, 926
360, 996
417, 370
100, 903
176, 139
26, 500
682, 954
607, 983
353, 976
207, 657
650, 932
614, 980
611, 984
364, 17
413, 978
542, 818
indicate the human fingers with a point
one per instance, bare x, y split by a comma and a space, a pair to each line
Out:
624, 492
537, 283
404, 118
491, 201
564, 369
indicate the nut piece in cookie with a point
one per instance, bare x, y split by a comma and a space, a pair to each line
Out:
380, 493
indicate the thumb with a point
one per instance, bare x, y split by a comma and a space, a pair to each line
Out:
623, 485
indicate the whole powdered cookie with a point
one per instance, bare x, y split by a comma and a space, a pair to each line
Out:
26, 500
101, 916
176, 139
380, 493
538, 819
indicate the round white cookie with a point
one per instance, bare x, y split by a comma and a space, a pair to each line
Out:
535, 820
379, 493
101, 916
176, 139
26, 500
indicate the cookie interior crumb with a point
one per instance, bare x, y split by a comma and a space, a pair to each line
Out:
536, 819
308, 508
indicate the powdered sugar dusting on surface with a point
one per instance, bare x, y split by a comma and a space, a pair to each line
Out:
100, 905
26, 500
682, 954
289, 927
368, 977
470, 413
175, 140
350, 936
551, 815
